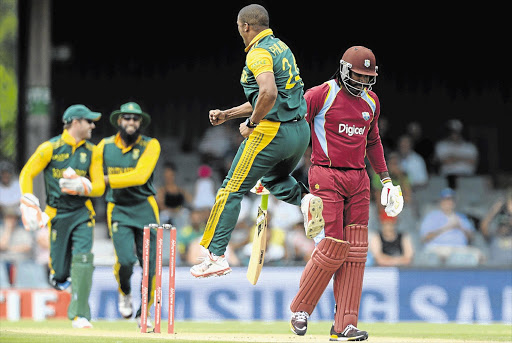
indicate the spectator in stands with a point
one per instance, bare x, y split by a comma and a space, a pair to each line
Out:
10, 195
204, 193
388, 141
497, 229
172, 199
217, 145
300, 246
445, 231
188, 234
421, 144
454, 155
389, 247
412, 163
15, 242
415, 168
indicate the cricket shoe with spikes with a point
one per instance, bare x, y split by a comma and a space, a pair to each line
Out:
312, 207
299, 323
212, 265
351, 333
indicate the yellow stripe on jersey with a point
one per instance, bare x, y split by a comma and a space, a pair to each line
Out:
256, 142
258, 61
154, 206
110, 209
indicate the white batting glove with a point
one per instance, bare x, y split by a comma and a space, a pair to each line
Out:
73, 184
391, 197
31, 215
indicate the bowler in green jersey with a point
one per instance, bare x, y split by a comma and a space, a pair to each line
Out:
276, 136
129, 159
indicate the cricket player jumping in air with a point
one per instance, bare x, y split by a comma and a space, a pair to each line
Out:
67, 161
343, 113
129, 159
276, 137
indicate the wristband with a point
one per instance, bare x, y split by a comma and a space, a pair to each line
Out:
250, 124
385, 180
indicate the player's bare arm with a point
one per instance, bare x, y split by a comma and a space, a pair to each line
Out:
218, 117
266, 99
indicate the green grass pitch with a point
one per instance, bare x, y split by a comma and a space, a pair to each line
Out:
57, 331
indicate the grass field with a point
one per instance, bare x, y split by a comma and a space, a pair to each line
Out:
60, 331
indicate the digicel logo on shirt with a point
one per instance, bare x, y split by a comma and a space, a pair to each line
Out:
351, 130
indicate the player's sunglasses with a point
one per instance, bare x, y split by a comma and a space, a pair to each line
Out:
90, 121
135, 117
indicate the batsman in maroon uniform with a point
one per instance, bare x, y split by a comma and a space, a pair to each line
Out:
343, 113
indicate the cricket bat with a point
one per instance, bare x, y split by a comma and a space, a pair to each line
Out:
259, 242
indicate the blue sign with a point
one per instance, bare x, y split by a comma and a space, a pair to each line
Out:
389, 295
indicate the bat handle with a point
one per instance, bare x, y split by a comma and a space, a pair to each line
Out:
264, 202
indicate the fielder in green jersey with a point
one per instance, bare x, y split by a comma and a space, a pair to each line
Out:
128, 160
67, 162
276, 137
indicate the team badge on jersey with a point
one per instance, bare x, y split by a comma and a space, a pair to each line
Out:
365, 115
135, 154
83, 157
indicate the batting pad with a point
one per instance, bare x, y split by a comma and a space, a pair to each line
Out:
348, 280
327, 257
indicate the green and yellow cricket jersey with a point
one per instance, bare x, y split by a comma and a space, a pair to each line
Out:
129, 169
267, 53
54, 157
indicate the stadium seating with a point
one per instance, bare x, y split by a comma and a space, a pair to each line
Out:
468, 258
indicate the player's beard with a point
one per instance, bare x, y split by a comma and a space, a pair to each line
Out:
128, 138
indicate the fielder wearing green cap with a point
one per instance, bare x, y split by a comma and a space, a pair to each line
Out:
79, 112
129, 159
72, 174
130, 108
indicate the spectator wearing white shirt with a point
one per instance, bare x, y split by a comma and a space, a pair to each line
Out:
456, 156
412, 163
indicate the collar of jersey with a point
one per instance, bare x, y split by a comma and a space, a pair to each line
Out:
70, 140
119, 143
264, 33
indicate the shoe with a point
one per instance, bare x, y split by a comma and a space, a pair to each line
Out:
149, 324
124, 305
312, 207
81, 323
299, 323
212, 265
351, 333
60, 286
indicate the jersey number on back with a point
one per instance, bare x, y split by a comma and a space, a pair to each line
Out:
293, 74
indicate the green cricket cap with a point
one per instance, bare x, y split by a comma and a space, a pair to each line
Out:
79, 112
130, 108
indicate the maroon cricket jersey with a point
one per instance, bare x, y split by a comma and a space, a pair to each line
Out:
344, 128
